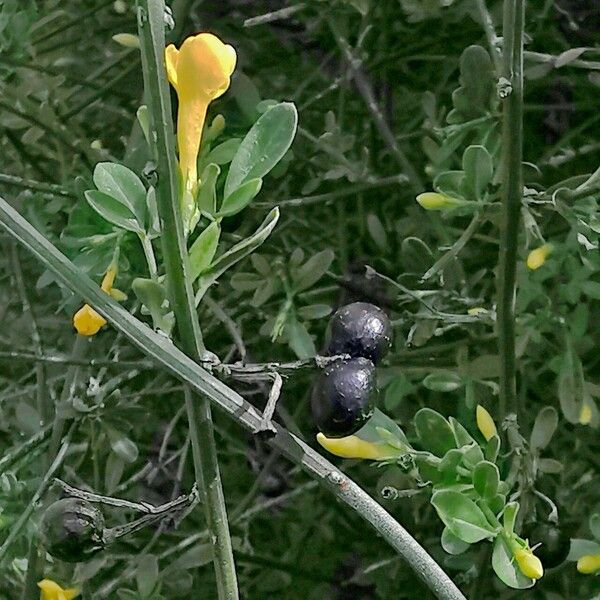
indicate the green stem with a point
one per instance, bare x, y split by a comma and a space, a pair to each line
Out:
149, 254
512, 191
206, 467
58, 426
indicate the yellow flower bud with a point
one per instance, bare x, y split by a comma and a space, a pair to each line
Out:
50, 590
354, 447
485, 423
589, 564
477, 310
529, 564
536, 258
128, 40
87, 321
200, 71
435, 201
585, 414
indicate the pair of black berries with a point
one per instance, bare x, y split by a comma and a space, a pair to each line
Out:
344, 395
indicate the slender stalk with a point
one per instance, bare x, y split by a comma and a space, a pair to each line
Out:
149, 254
238, 409
512, 193
204, 451
17, 527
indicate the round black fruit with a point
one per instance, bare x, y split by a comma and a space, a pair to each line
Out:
555, 544
343, 397
71, 530
360, 329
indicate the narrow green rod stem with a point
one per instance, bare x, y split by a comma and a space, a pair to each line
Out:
175, 253
512, 193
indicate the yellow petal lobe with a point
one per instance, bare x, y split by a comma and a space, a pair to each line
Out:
536, 258
354, 447
435, 201
87, 321
589, 564
529, 564
585, 414
485, 423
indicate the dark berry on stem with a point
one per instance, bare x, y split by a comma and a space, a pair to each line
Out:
71, 530
555, 544
343, 397
360, 329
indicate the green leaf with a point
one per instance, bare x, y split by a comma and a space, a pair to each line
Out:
372, 430
473, 98
595, 525
434, 432
123, 185
506, 568
377, 231
240, 198
479, 170
450, 183
461, 516
224, 153
203, 249
146, 574
113, 211
571, 385
443, 382
581, 548
152, 295
312, 270
299, 339
544, 427
122, 446
452, 544
486, 479
314, 311
237, 253
492, 448
207, 194
264, 145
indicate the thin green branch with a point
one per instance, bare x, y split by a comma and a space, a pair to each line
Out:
512, 193
175, 253
188, 371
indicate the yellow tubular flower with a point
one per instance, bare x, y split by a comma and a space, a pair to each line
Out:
589, 564
529, 564
435, 201
354, 447
86, 320
200, 71
485, 423
50, 590
536, 258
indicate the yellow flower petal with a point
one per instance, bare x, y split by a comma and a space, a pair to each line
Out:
171, 58
354, 447
87, 321
485, 423
589, 564
529, 564
585, 414
435, 201
50, 590
536, 258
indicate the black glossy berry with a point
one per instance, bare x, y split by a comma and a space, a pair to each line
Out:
360, 329
555, 544
343, 396
71, 530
